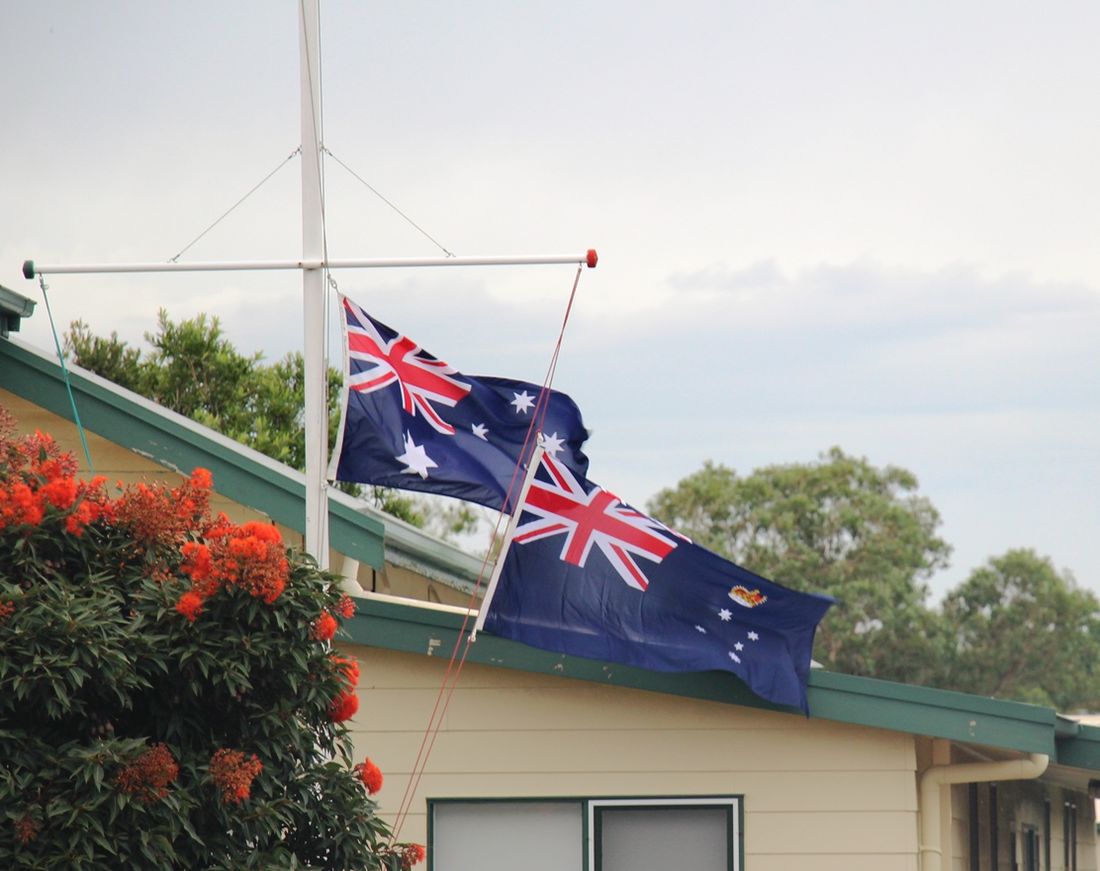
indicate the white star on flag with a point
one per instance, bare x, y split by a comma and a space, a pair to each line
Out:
753, 636
739, 646
734, 657
415, 458
523, 402
725, 614
481, 431
701, 629
551, 443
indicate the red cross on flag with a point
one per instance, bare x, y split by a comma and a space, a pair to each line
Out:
596, 518
422, 378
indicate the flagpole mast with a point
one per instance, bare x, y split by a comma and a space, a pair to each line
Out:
313, 286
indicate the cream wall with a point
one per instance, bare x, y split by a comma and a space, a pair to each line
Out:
817, 795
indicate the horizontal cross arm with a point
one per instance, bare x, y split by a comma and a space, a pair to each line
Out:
32, 269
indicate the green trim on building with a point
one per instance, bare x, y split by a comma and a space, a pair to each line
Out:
843, 698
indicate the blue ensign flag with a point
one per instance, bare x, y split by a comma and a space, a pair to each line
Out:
413, 422
588, 575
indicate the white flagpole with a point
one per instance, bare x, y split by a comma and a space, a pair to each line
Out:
313, 286
509, 533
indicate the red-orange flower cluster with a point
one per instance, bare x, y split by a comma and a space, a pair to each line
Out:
412, 854
250, 556
190, 605
346, 703
26, 829
6, 609
149, 776
344, 706
161, 517
345, 607
324, 627
38, 481
370, 774
233, 774
40, 478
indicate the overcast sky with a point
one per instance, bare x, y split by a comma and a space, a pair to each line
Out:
864, 224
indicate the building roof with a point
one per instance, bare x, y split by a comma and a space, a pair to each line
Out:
366, 534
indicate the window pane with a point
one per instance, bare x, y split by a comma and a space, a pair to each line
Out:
502, 836
657, 839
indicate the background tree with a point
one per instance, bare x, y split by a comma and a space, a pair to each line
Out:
838, 526
193, 369
169, 693
1021, 629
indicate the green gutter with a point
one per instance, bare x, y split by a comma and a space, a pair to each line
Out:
1082, 750
843, 698
13, 308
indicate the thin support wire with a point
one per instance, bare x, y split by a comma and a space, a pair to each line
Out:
224, 215
375, 191
65, 373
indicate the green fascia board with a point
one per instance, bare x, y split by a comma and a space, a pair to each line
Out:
177, 443
412, 628
934, 712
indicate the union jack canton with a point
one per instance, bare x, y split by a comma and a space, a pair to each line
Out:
414, 422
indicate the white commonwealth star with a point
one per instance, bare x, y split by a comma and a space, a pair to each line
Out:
725, 614
523, 402
551, 443
481, 431
734, 657
415, 458
739, 647
753, 636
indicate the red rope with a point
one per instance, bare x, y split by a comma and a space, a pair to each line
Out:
447, 687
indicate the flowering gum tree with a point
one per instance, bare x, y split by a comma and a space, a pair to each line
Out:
169, 694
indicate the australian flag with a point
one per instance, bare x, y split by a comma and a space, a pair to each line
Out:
587, 575
413, 422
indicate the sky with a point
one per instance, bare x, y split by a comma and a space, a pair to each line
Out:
863, 224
